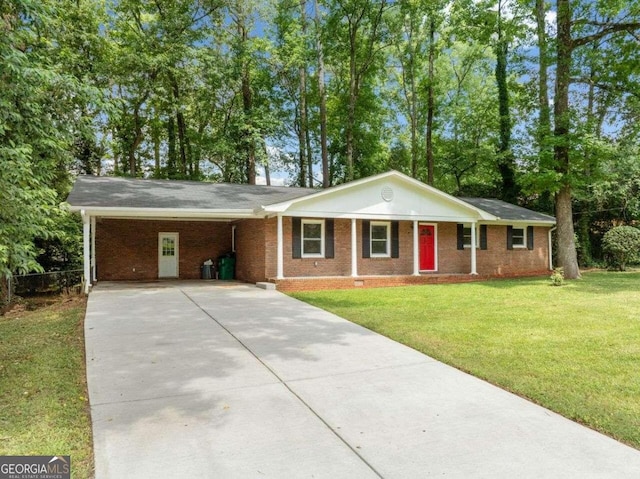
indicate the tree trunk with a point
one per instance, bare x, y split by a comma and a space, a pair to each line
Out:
323, 102
247, 104
351, 108
414, 114
171, 148
430, 101
136, 141
156, 150
544, 121
302, 110
505, 157
567, 256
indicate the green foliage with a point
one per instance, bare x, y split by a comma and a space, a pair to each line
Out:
557, 277
37, 106
622, 245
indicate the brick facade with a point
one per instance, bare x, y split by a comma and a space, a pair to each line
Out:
250, 250
128, 249
259, 237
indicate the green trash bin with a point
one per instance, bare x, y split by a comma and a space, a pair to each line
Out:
226, 266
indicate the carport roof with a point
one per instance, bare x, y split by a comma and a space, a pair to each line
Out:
115, 192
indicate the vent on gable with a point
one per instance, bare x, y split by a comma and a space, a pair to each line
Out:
387, 193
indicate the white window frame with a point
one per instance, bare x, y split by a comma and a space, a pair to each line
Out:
468, 226
387, 254
524, 237
302, 238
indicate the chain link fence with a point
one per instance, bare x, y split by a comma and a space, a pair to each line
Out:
41, 283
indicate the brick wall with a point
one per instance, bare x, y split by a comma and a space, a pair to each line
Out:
250, 250
495, 261
388, 266
128, 249
328, 283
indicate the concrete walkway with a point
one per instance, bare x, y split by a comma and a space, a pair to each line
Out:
189, 379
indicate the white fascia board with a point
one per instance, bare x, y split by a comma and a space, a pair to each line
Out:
501, 222
117, 212
383, 217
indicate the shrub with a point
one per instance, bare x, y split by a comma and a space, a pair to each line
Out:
557, 278
622, 246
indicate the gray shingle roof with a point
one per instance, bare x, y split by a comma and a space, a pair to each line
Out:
507, 211
103, 191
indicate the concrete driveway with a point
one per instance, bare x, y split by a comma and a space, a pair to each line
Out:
192, 379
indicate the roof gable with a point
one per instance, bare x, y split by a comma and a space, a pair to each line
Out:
388, 195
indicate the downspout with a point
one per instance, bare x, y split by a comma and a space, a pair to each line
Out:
551, 230
86, 250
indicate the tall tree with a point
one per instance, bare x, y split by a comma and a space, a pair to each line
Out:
567, 43
363, 22
38, 117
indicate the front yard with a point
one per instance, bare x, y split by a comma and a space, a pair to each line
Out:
574, 349
44, 408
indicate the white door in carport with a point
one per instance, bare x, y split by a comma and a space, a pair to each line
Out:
167, 255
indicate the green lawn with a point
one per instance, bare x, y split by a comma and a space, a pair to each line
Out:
574, 349
43, 404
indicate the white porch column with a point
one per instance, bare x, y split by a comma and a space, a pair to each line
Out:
93, 249
473, 249
354, 248
86, 250
416, 249
280, 250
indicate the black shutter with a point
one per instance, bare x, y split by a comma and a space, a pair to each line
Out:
483, 236
460, 236
529, 237
296, 239
395, 239
509, 237
366, 243
328, 239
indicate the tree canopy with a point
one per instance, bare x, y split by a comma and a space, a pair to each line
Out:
531, 102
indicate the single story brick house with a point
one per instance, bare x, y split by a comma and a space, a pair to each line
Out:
381, 230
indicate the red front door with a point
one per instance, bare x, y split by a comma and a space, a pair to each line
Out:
427, 248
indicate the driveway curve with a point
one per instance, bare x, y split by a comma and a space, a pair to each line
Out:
224, 380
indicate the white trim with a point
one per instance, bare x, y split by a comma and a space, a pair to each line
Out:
524, 237
176, 236
416, 249
387, 254
354, 248
93, 249
468, 225
474, 268
435, 247
86, 250
551, 230
166, 213
280, 250
306, 221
